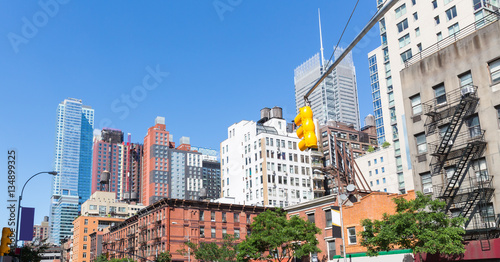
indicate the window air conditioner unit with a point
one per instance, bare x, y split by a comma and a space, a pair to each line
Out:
427, 190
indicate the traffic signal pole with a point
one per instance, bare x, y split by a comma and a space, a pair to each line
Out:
381, 12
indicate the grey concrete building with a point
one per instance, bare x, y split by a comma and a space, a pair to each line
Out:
451, 93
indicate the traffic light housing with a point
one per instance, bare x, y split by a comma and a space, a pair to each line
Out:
6, 241
306, 131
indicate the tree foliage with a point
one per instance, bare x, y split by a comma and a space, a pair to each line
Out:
164, 257
101, 258
210, 251
274, 237
419, 224
386, 144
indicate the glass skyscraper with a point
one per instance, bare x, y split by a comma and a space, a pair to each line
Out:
336, 98
73, 163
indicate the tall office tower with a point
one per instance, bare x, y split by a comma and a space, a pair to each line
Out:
73, 163
262, 165
336, 98
406, 31
131, 172
169, 171
211, 179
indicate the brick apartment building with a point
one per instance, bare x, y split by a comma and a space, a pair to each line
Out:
372, 206
167, 224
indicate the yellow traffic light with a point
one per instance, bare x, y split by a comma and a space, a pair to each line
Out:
306, 130
6, 241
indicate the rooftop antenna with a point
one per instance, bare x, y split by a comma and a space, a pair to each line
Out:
321, 39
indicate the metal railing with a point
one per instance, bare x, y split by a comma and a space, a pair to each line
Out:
468, 30
452, 98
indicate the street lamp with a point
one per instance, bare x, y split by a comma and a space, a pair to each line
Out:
21, 197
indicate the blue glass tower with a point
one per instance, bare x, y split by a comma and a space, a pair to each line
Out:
73, 163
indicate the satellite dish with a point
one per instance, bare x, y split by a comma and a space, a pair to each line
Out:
350, 188
343, 197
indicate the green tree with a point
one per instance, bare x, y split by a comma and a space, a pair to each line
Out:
370, 149
274, 237
419, 224
210, 251
30, 253
386, 144
164, 257
121, 260
101, 258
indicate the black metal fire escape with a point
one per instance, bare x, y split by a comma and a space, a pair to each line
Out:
457, 150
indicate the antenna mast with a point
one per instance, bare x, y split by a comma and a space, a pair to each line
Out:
321, 40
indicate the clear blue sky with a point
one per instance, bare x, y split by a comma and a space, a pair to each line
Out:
226, 59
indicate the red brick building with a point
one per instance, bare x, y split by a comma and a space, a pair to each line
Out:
167, 224
371, 206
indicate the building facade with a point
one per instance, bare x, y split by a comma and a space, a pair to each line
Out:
105, 204
372, 206
452, 96
83, 227
169, 223
121, 163
262, 165
170, 171
211, 179
379, 169
73, 164
336, 98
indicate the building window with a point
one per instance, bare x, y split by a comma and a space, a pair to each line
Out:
453, 29
416, 105
421, 143
85, 230
331, 250
451, 13
488, 214
86, 222
495, 71
351, 232
465, 79
310, 217
415, 16
212, 232
406, 55
224, 215
328, 218
497, 108
439, 36
84, 246
447, 1
481, 170
474, 126
84, 254
202, 232
426, 183
202, 214
224, 232
402, 25
417, 31
440, 94
400, 11
437, 21
237, 233
212, 216
403, 41
434, 4
236, 217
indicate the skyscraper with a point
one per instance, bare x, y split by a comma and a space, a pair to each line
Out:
73, 163
406, 30
336, 98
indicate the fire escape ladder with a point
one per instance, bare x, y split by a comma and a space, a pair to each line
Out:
456, 121
458, 176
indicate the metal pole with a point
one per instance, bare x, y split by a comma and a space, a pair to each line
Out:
21, 197
358, 38
342, 229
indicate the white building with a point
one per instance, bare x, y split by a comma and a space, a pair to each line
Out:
105, 204
336, 98
379, 170
262, 165
408, 28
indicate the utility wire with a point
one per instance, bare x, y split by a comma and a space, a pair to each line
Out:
345, 27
